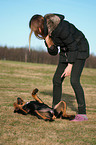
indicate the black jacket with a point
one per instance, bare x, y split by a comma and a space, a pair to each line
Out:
72, 42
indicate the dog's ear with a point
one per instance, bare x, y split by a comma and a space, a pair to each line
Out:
20, 101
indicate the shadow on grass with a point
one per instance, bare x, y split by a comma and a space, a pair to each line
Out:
69, 99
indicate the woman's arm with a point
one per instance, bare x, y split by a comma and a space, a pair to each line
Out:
67, 70
51, 47
49, 41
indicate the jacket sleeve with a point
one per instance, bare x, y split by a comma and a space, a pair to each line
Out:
53, 50
69, 37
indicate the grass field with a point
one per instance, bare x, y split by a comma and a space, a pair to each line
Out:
18, 79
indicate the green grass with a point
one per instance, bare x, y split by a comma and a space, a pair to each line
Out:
18, 79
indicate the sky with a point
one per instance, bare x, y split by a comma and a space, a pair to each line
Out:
15, 16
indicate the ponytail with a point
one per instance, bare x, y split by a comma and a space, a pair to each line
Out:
30, 38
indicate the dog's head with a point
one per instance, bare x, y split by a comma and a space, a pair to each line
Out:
18, 107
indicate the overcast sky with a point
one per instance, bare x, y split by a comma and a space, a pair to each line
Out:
15, 16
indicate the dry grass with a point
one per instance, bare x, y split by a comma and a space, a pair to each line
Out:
18, 79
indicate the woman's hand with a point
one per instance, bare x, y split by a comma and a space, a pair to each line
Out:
67, 70
49, 41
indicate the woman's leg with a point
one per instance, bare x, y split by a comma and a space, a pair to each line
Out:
75, 82
57, 83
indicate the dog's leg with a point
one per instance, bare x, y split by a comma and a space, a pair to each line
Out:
65, 115
44, 117
61, 108
64, 108
34, 95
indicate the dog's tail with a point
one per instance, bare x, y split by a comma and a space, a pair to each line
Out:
34, 95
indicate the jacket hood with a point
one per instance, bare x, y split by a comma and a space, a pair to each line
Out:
51, 21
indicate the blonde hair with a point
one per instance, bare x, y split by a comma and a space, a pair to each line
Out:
36, 22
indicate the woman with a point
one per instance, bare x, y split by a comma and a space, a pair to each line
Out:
74, 50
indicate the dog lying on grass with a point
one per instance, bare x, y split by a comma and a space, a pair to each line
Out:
40, 109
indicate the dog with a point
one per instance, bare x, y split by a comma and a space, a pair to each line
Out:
40, 109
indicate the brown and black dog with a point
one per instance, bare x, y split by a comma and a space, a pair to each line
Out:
40, 109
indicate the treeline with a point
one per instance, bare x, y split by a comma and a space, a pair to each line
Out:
34, 56
23, 54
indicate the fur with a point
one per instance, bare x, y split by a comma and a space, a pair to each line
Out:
52, 22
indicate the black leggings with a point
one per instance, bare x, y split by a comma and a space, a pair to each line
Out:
75, 82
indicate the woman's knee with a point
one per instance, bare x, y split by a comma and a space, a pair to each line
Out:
74, 81
57, 80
